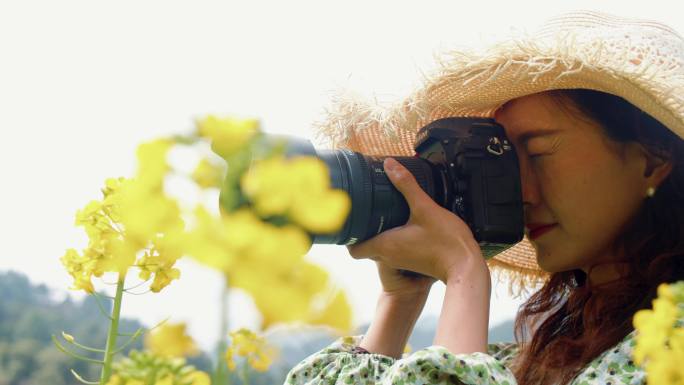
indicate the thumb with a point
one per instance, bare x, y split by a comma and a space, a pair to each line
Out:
406, 183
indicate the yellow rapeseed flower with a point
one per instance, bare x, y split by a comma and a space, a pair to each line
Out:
115, 380
152, 164
207, 174
229, 134
298, 293
197, 378
166, 380
660, 339
654, 326
161, 267
317, 207
323, 213
268, 184
145, 368
171, 340
159, 260
81, 270
208, 242
298, 188
133, 214
254, 348
145, 214
336, 313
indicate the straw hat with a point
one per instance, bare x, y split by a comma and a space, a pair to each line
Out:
638, 60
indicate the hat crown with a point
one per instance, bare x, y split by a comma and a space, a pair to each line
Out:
646, 47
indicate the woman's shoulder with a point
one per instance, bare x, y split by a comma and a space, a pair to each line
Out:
614, 366
505, 352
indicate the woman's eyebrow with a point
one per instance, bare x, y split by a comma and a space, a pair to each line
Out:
526, 136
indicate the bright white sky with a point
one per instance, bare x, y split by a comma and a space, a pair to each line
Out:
83, 82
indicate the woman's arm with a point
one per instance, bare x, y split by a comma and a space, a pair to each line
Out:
393, 323
464, 320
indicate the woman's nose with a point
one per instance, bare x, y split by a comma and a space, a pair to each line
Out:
528, 183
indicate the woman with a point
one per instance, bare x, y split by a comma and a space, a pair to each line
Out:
603, 193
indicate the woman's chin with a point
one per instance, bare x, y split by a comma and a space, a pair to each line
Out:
548, 263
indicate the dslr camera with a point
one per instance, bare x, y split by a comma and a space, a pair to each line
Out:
466, 165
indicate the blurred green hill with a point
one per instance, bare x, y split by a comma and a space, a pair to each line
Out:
30, 314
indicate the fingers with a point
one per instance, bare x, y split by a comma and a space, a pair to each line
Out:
406, 183
373, 248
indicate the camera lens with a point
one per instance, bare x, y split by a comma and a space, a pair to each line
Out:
376, 204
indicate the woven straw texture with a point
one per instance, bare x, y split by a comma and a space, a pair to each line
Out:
641, 61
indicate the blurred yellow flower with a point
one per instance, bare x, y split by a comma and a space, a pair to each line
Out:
654, 326
255, 349
197, 378
207, 241
171, 340
152, 164
267, 262
229, 134
660, 338
268, 183
323, 213
299, 292
298, 188
144, 214
336, 313
166, 380
207, 174
114, 380
145, 368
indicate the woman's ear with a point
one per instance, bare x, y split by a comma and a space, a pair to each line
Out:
658, 167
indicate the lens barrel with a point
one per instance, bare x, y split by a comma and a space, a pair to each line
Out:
376, 204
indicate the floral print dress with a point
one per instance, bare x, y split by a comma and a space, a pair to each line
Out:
339, 365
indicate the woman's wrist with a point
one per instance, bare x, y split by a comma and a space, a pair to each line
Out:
464, 319
395, 317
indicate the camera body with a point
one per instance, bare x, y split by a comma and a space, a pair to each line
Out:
480, 177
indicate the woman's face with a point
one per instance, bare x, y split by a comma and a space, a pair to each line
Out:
574, 178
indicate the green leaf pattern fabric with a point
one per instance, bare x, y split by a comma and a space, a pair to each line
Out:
338, 365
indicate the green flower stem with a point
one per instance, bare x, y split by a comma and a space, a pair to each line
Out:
110, 349
72, 354
221, 375
132, 339
245, 372
86, 348
100, 306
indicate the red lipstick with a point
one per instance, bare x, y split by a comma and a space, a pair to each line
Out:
538, 229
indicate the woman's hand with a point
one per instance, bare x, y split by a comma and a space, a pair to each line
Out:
403, 284
434, 242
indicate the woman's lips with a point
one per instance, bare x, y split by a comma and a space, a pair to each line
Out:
538, 231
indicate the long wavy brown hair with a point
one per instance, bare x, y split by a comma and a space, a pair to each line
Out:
572, 322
